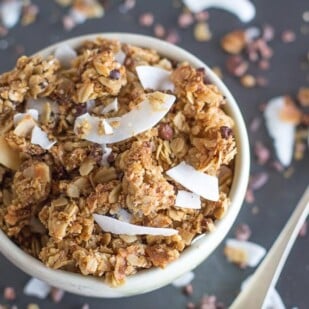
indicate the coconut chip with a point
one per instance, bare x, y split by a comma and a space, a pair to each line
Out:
253, 252
281, 131
39, 137
243, 9
37, 288
25, 126
65, 54
10, 12
124, 215
111, 107
273, 299
20, 116
120, 57
183, 280
106, 153
138, 120
198, 182
115, 226
187, 199
39, 104
154, 78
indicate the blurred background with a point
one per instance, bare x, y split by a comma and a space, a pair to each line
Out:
273, 62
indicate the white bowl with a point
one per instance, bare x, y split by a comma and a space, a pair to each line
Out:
148, 280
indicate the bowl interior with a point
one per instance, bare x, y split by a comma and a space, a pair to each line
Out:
151, 279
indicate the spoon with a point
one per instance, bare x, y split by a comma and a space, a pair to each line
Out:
264, 279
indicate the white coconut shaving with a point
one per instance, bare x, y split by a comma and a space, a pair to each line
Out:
120, 57
37, 288
183, 280
20, 116
39, 105
10, 12
138, 120
154, 78
39, 137
254, 252
243, 9
282, 132
25, 126
65, 54
115, 226
197, 182
273, 300
124, 215
111, 107
185, 199
106, 153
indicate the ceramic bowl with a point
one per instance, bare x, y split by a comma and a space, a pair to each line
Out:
154, 278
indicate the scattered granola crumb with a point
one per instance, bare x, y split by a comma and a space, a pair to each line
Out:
289, 172
264, 64
172, 36
268, 33
255, 210
261, 81
288, 36
303, 96
303, 230
201, 16
255, 124
85, 306
190, 305
243, 232
249, 197
261, 152
185, 20
159, 31
33, 306
236, 65
9, 293
258, 180
188, 289
248, 81
306, 16
126, 6
146, 19
234, 42
56, 295
217, 71
202, 32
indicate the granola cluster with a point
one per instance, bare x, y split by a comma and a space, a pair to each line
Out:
48, 195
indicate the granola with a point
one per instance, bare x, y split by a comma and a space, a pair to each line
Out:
49, 195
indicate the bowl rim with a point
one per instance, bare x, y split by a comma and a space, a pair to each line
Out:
154, 278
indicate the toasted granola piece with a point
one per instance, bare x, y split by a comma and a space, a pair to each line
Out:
146, 188
160, 255
190, 83
138, 55
101, 75
100, 44
32, 182
32, 76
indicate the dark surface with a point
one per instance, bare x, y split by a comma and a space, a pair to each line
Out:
275, 201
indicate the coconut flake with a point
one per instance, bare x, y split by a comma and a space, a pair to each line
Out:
187, 199
243, 9
65, 54
140, 119
273, 300
25, 126
282, 132
199, 183
10, 13
120, 57
253, 251
106, 153
38, 104
183, 280
124, 215
154, 78
39, 137
20, 116
111, 107
37, 288
115, 226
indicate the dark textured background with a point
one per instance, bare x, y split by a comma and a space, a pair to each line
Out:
275, 201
